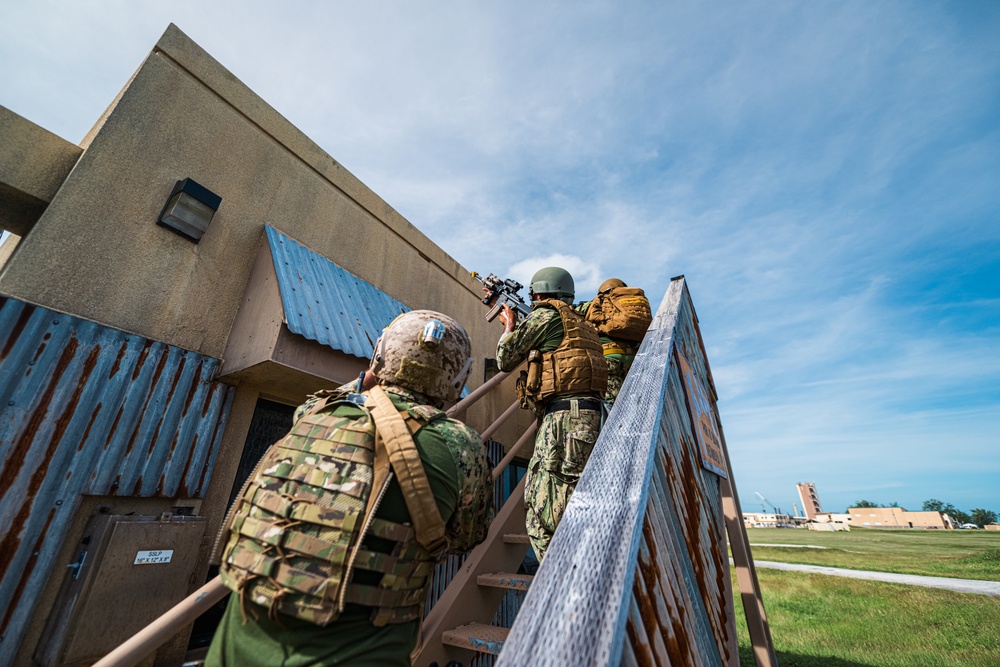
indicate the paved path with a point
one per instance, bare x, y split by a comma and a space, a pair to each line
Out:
789, 546
959, 585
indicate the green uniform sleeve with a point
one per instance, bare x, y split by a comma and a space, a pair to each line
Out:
542, 330
471, 519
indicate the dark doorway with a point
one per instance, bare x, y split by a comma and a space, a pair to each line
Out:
270, 422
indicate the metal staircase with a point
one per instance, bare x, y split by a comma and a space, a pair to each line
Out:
637, 573
460, 621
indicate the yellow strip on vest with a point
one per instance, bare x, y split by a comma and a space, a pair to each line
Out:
616, 348
405, 460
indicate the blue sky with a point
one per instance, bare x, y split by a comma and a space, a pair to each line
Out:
825, 174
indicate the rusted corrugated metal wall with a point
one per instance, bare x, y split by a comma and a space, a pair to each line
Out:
638, 572
90, 410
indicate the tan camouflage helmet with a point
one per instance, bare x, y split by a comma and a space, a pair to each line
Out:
610, 284
425, 351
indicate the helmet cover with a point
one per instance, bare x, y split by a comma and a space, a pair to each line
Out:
425, 351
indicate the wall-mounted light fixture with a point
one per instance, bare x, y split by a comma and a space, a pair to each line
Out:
189, 209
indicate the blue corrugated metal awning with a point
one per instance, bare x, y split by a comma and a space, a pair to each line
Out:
327, 304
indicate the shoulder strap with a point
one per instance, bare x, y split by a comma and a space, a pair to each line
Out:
405, 460
595, 309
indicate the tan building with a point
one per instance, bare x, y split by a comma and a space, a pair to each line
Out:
767, 520
897, 517
146, 369
809, 498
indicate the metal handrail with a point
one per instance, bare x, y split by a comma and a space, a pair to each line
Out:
159, 631
156, 634
507, 414
479, 392
512, 452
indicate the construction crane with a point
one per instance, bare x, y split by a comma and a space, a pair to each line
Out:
765, 503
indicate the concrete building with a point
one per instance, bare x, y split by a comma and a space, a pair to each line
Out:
831, 521
897, 517
143, 373
809, 498
768, 520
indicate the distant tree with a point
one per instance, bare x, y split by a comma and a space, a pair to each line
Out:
865, 503
981, 517
933, 505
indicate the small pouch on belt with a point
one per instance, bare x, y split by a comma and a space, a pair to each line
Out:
534, 382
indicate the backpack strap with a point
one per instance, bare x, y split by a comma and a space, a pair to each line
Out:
392, 435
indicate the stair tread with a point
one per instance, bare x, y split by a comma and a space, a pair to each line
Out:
477, 636
511, 580
516, 538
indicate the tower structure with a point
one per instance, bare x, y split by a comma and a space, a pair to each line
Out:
810, 500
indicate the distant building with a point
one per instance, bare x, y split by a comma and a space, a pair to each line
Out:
992, 526
897, 517
767, 520
810, 500
831, 521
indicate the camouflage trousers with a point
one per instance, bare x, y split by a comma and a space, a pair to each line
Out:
562, 447
618, 366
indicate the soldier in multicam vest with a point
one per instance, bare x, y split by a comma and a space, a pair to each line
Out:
564, 383
333, 541
620, 345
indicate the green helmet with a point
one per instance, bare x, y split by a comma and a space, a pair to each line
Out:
553, 280
425, 351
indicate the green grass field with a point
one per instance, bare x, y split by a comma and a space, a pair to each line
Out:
821, 621
962, 554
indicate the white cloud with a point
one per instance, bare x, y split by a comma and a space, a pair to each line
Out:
586, 274
824, 175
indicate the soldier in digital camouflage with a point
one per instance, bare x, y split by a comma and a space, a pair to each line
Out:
332, 545
564, 383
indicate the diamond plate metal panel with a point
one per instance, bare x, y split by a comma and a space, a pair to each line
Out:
638, 566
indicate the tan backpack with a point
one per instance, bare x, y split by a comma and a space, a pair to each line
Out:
623, 313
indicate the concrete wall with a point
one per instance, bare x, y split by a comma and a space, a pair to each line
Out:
90, 245
33, 165
97, 252
894, 517
810, 501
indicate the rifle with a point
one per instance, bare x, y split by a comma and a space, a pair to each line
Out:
505, 293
